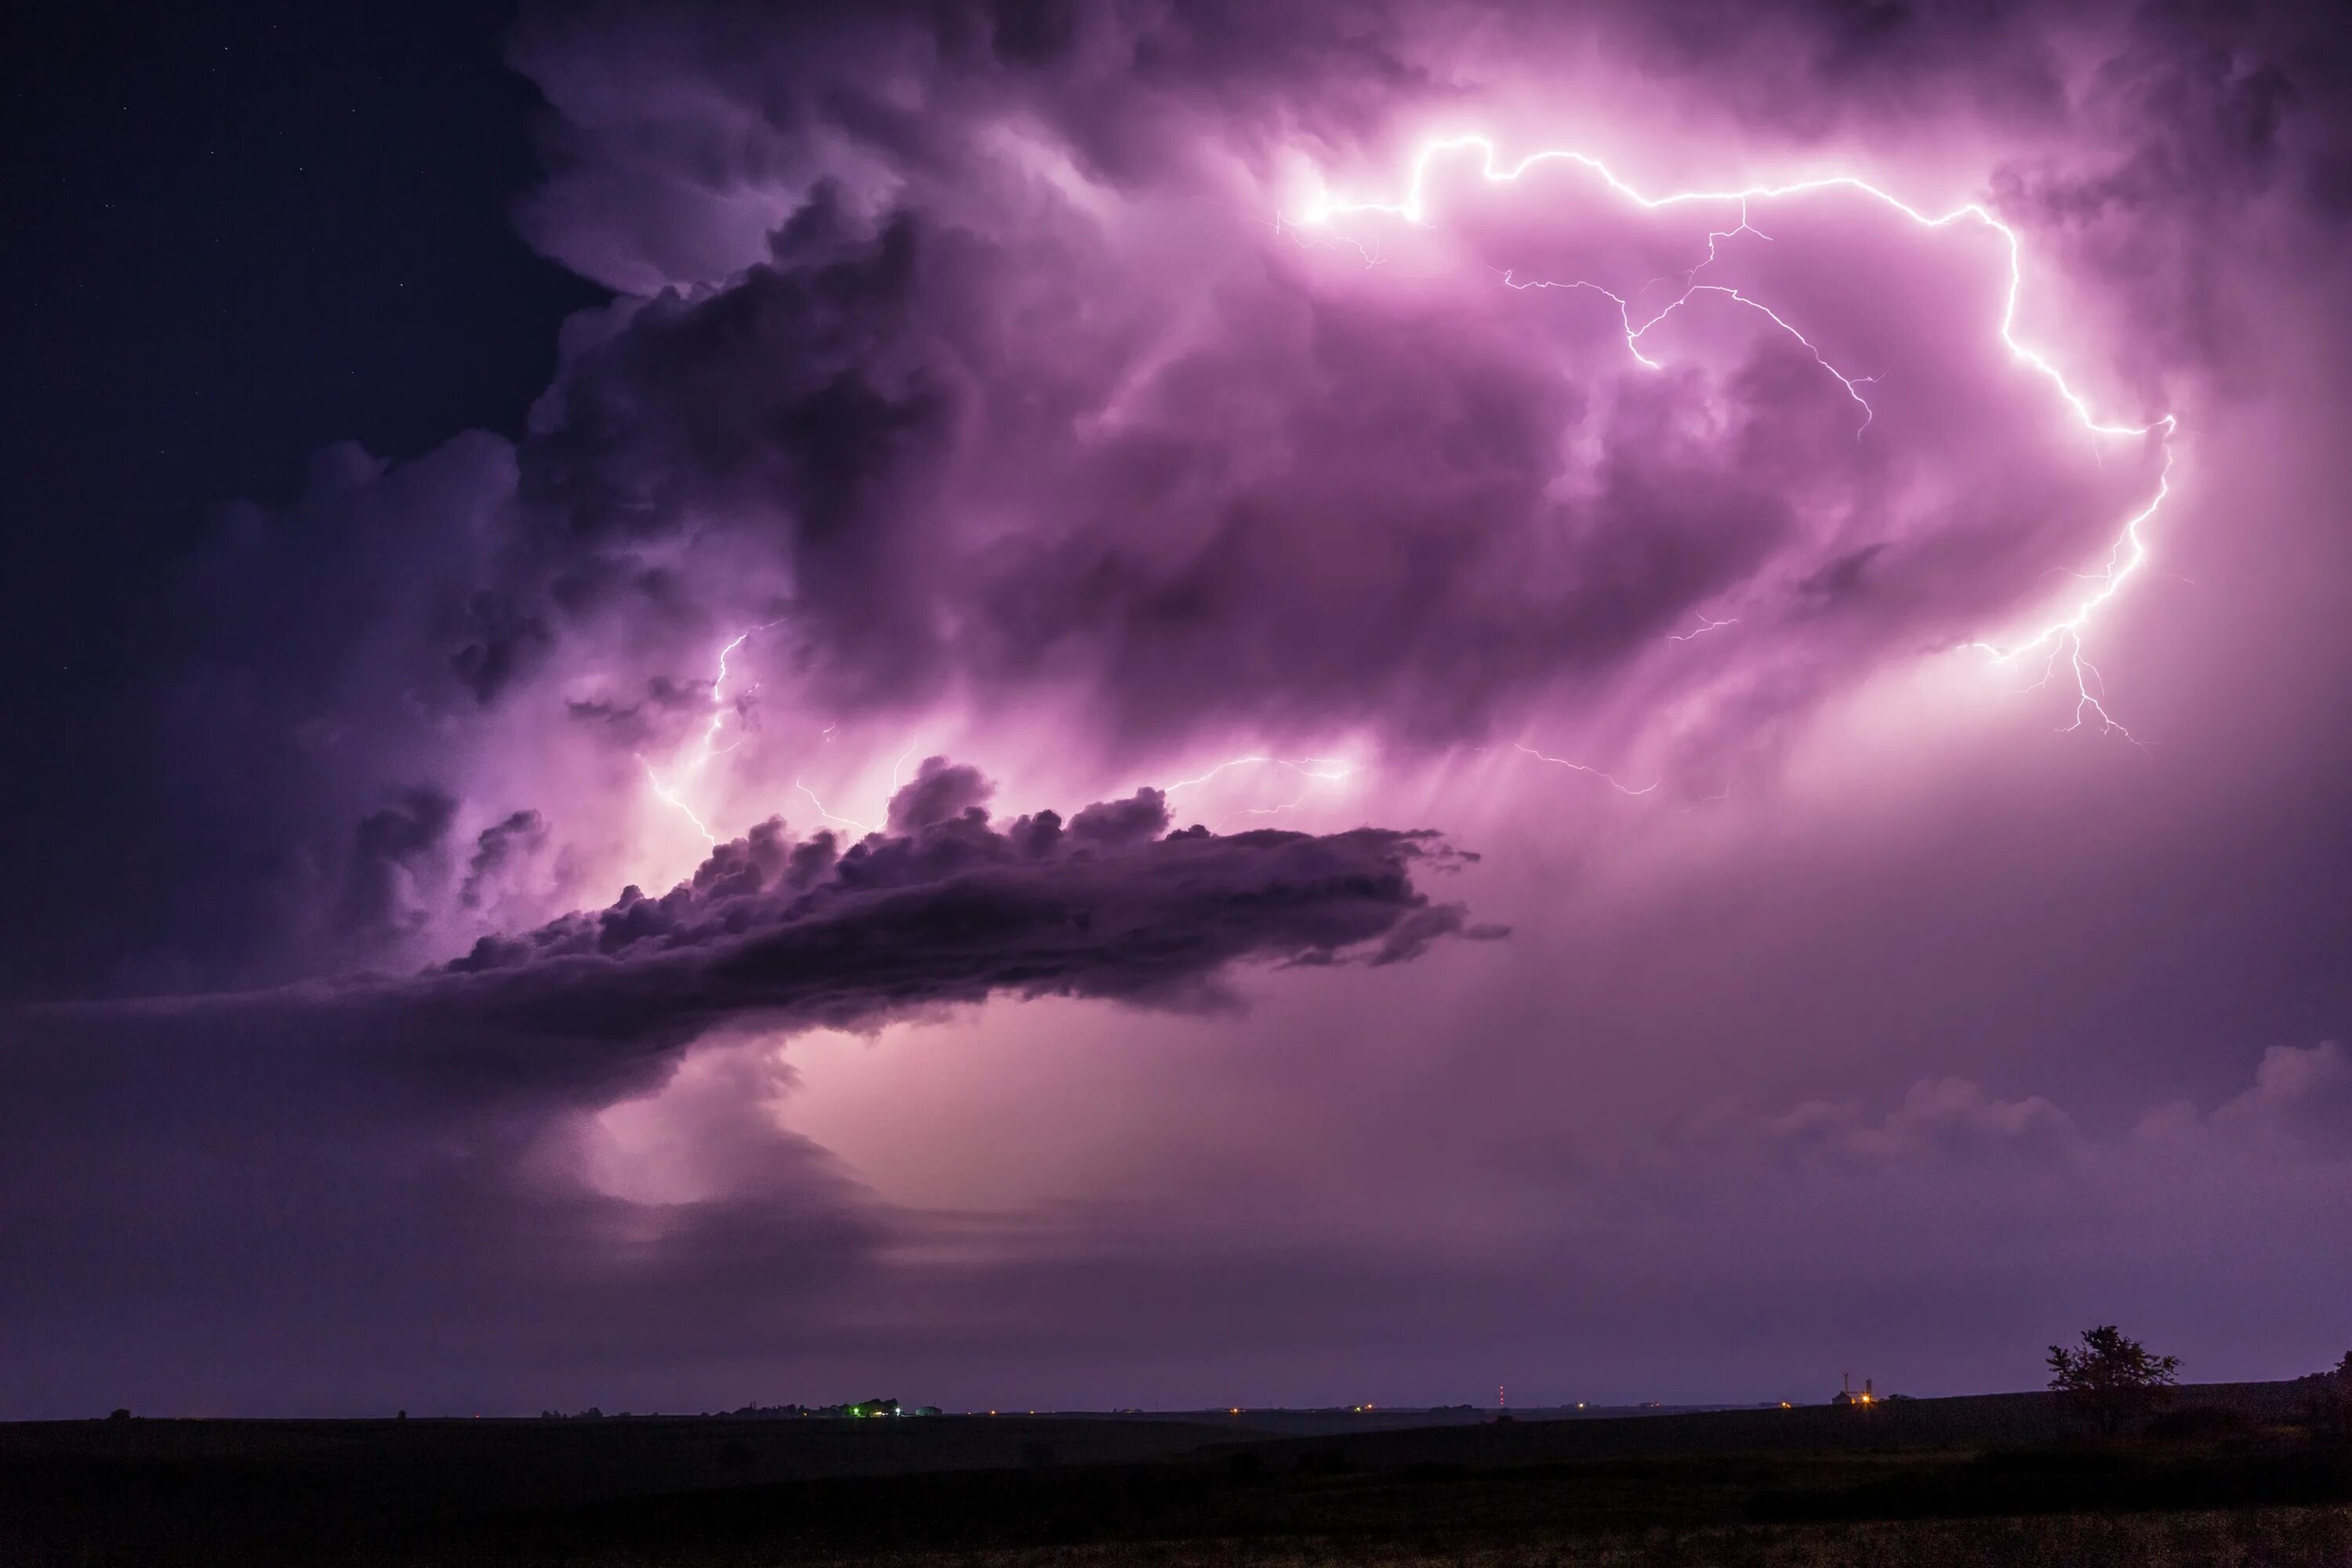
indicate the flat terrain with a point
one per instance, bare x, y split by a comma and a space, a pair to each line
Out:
2229, 1478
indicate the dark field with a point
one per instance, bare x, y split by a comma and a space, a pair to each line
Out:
2229, 1478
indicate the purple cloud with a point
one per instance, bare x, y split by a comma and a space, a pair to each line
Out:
1045, 385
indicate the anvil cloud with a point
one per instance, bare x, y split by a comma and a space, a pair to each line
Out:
1160, 404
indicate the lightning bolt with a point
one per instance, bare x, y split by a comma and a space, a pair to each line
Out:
833, 816
707, 747
1315, 770
2065, 635
1853, 384
671, 797
1705, 626
2060, 637
1610, 779
1313, 767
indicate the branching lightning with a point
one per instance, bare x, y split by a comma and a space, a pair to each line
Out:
2061, 636
2061, 639
669, 797
1853, 384
708, 746
2065, 635
831, 816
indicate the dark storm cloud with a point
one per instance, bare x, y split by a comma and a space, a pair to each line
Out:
660, 108
813, 401
499, 849
787, 936
945, 908
313, 685
943, 790
393, 849
398, 1162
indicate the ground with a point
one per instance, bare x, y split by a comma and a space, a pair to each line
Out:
2231, 1477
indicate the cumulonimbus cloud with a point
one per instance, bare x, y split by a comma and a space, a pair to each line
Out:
969, 378
1010, 402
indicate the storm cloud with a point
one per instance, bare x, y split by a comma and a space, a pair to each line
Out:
785, 935
1874, 621
445, 1122
979, 359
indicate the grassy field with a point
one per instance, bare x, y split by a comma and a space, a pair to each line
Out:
1956, 1482
2266, 1538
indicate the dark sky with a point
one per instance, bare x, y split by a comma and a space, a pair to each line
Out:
236, 234
1706, 641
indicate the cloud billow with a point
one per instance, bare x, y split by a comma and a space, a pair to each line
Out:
946, 907
786, 935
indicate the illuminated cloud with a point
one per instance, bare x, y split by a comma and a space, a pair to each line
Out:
1013, 403
1051, 386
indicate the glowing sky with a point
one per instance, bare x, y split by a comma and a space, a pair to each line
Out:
1187, 704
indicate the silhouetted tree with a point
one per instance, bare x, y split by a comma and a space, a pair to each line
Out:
2110, 1379
2327, 1406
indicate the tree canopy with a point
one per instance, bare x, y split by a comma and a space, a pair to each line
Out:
2110, 1378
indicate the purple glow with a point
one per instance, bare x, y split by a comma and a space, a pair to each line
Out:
1595, 570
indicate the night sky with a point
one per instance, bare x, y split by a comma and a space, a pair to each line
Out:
1169, 704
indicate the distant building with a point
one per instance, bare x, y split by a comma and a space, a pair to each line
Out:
1846, 1396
